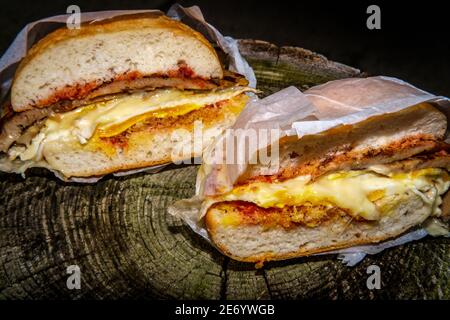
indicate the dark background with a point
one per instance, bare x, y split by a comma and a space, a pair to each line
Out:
412, 44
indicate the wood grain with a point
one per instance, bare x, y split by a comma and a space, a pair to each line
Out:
126, 245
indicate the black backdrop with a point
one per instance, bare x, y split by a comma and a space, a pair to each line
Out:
412, 43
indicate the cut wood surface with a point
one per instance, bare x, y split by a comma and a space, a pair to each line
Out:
126, 245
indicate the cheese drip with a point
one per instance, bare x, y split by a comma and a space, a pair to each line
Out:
356, 191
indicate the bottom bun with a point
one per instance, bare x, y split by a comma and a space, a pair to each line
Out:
158, 141
264, 242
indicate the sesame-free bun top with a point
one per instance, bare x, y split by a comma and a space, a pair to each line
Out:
67, 64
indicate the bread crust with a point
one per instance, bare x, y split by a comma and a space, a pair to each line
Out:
116, 25
127, 22
212, 226
215, 229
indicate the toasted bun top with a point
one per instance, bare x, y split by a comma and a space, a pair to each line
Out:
376, 140
69, 63
379, 139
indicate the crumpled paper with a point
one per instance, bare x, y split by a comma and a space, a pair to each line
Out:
191, 16
322, 107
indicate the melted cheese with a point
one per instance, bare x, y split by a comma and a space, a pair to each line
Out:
356, 191
109, 118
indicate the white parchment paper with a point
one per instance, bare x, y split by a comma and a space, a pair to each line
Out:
191, 16
332, 104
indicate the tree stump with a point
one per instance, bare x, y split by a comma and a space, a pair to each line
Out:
126, 245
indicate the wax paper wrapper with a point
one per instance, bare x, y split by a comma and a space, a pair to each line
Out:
292, 112
191, 16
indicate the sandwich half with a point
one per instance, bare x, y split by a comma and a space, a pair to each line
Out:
116, 95
350, 185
